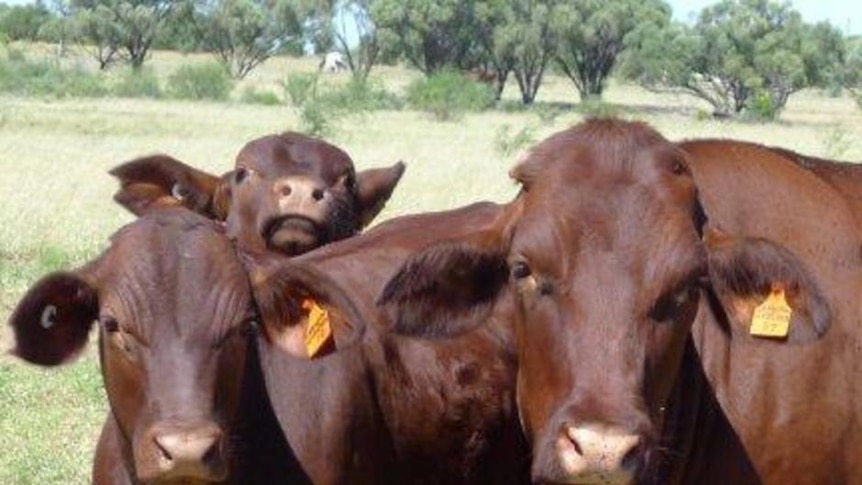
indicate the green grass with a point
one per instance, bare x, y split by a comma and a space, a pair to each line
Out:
57, 212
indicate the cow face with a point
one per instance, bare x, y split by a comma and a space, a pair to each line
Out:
289, 192
608, 269
171, 302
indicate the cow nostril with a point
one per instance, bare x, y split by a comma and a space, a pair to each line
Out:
285, 190
165, 454
317, 194
570, 434
632, 459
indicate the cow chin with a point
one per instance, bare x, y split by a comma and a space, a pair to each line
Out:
293, 235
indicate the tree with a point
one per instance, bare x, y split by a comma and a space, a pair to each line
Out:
58, 28
591, 35
22, 22
524, 41
128, 27
741, 55
335, 23
430, 34
95, 27
244, 33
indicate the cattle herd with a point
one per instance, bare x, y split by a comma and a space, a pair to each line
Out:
643, 312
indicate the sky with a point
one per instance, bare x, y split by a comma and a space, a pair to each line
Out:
844, 14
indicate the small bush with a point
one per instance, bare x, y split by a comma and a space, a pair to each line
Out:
506, 143
46, 78
596, 108
760, 109
137, 83
200, 81
252, 96
300, 88
448, 95
361, 95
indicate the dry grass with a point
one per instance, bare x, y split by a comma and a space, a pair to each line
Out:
57, 211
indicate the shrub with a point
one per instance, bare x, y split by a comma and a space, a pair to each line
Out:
46, 78
252, 96
448, 95
506, 143
361, 95
759, 109
200, 81
596, 108
300, 88
137, 83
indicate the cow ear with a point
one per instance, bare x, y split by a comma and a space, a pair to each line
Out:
374, 187
445, 290
52, 321
745, 272
303, 312
162, 181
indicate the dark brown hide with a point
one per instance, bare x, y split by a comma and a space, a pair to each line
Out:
381, 407
172, 305
636, 266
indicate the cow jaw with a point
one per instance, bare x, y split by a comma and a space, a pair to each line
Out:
292, 234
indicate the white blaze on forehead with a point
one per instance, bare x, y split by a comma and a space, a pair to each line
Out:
48, 314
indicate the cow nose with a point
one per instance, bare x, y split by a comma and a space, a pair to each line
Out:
191, 453
595, 453
297, 192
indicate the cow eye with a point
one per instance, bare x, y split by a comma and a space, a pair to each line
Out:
109, 324
349, 181
679, 168
669, 306
240, 175
521, 270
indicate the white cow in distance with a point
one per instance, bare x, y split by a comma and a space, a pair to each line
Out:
333, 62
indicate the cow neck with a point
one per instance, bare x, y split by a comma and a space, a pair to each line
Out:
697, 439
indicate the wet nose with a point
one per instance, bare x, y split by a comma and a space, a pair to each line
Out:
191, 453
595, 453
296, 193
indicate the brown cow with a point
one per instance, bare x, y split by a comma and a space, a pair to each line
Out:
376, 407
632, 313
305, 193
172, 302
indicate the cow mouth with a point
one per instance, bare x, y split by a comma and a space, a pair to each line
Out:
292, 234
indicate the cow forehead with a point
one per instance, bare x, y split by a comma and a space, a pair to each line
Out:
290, 154
628, 225
178, 269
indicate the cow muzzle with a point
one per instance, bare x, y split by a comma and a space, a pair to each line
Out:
597, 454
173, 454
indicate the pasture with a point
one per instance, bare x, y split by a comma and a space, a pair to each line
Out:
56, 209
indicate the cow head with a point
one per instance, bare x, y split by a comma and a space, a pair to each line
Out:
289, 192
609, 261
171, 303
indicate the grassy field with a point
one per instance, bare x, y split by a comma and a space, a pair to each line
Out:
57, 212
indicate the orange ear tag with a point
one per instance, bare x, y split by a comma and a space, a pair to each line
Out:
317, 331
771, 318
